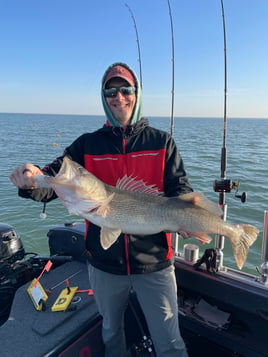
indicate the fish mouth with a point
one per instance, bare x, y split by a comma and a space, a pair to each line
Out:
68, 171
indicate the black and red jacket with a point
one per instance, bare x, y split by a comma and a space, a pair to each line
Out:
110, 153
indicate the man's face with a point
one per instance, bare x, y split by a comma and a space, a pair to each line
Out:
121, 105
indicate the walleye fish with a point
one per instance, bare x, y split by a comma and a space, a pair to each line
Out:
120, 209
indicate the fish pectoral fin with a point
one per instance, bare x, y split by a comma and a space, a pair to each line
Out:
104, 208
108, 236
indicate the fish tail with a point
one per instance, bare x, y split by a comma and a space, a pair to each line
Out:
241, 242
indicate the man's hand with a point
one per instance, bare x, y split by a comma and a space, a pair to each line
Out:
22, 176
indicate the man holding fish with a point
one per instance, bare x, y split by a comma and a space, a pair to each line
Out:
126, 240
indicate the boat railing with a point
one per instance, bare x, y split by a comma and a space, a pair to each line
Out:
264, 267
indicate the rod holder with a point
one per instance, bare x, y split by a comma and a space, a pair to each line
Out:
191, 252
265, 238
175, 243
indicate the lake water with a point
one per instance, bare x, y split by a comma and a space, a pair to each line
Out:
39, 138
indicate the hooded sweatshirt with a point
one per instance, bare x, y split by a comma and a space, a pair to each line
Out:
137, 111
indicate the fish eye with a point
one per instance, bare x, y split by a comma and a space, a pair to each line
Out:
81, 170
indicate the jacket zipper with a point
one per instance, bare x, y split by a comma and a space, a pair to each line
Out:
126, 239
127, 253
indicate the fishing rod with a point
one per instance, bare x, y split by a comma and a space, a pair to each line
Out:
224, 185
173, 70
174, 236
173, 62
137, 39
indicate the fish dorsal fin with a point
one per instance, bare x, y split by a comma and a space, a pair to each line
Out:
131, 184
198, 199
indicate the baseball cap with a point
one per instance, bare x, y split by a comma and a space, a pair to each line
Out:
121, 72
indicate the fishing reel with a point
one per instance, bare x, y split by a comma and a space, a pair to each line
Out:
225, 185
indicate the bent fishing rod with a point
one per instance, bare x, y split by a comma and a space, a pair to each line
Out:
172, 59
137, 39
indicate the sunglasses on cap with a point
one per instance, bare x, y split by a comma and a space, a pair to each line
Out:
112, 92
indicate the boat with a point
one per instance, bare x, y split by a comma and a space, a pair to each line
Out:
222, 311
51, 311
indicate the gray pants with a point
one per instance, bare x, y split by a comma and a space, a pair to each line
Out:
157, 295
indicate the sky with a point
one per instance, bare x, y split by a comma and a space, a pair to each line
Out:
53, 54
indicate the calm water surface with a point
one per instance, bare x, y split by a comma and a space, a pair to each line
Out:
40, 138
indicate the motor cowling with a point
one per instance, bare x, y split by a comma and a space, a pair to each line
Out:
11, 247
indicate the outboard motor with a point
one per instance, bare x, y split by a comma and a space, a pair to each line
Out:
12, 274
11, 247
